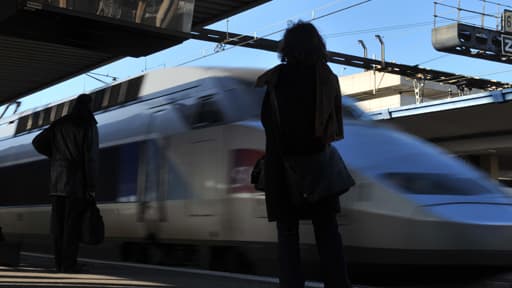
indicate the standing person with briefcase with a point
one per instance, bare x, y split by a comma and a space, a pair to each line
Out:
303, 174
71, 144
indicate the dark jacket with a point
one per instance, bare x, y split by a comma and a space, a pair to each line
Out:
309, 101
71, 143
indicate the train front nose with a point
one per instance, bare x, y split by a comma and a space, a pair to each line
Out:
483, 229
474, 213
466, 233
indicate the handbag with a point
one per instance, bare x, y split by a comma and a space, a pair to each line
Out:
43, 142
93, 228
315, 177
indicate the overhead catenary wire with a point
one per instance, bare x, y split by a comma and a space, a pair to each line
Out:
114, 78
433, 59
269, 34
227, 40
377, 29
221, 46
494, 73
281, 22
388, 28
96, 78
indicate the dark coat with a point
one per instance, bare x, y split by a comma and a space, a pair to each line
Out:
309, 101
71, 143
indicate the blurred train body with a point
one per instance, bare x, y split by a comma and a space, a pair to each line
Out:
177, 149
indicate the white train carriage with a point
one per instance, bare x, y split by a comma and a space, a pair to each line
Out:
177, 148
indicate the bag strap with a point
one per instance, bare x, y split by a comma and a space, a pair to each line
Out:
275, 109
277, 118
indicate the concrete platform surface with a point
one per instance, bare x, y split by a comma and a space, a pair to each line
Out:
37, 270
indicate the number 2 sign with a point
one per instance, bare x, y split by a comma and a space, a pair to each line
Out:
506, 45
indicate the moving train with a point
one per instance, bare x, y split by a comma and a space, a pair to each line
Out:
177, 149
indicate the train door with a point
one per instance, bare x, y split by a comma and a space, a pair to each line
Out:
199, 155
197, 181
151, 186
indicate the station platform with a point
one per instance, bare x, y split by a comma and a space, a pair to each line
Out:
36, 270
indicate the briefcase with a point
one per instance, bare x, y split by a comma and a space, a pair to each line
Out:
93, 228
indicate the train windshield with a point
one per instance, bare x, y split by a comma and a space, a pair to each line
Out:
351, 111
437, 183
405, 161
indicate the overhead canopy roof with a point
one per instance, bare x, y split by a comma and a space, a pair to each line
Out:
45, 45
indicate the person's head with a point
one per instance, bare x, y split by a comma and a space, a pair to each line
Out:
83, 102
302, 44
82, 109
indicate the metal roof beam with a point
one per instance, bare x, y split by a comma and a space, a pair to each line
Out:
414, 72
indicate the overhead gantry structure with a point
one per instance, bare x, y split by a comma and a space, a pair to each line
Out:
415, 72
490, 40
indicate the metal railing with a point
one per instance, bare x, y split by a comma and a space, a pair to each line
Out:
463, 11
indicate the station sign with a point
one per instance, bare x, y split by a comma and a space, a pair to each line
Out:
506, 27
506, 45
506, 21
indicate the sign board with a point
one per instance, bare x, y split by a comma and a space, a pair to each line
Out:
506, 44
506, 21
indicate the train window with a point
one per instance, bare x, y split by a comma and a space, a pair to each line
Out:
65, 109
47, 113
117, 177
106, 98
40, 118
437, 183
122, 92
203, 112
208, 112
97, 99
108, 175
16, 192
128, 172
186, 111
22, 124
59, 111
114, 95
133, 88
33, 120
53, 113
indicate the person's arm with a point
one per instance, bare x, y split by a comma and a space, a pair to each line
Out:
43, 142
91, 162
338, 112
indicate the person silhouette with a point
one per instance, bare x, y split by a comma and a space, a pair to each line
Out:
305, 89
71, 144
